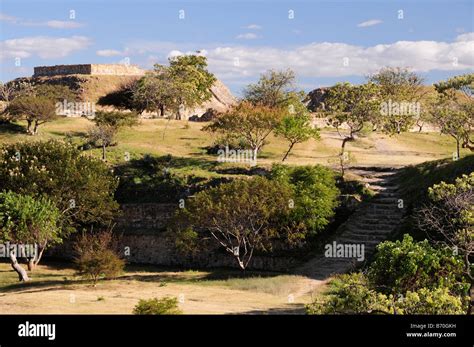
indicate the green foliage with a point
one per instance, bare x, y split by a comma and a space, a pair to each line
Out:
36, 110
406, 265
272, 89
241, 216
81, 187
296, 126
350, 294
55, 92
397, 85
431, 302
164, 306
248, 122
28, 220
352, 106
186, 82
314, 196
115, 119
96, 256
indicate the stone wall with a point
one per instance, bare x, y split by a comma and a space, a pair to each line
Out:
142, 228
88, 69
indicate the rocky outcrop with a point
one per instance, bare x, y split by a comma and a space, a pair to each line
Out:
315, 99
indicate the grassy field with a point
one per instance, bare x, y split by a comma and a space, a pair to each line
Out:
186, 139
55, 289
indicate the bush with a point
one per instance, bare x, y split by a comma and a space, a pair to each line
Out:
81, 187
315, 196
351, 294
96, 256
405, 265
165, 306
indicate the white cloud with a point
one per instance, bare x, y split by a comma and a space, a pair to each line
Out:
327, 59
44, 47
253, 27
59, 24
108, 53
369, 23
465, 37
247, 36
55, 24
321, 59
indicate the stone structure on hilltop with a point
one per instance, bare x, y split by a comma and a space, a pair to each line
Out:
89, 69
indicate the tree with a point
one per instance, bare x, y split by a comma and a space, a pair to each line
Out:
81, 187
272, 89
36, 110
185, 83
240, 216
351, 107
400, 91
96, 256
455, 109
252, 123
28, 221
448, 218
108, 125
296, 126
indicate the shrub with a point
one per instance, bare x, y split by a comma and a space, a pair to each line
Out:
165, 306
315, 196
406, 265
426, 301
81, 187
96, 256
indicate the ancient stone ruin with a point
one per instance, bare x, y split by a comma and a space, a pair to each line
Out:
89, 69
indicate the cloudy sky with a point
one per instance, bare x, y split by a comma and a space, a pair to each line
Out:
322, 41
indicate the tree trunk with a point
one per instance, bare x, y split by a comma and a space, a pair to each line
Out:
162, 110
22, 275
104, 157
31, 264
457, 148
35, 129
28, 127
288, 152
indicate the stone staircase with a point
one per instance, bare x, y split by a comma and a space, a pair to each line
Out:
369, 225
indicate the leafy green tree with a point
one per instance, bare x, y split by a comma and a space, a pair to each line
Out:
36, 110
29, 221
249, 122
241, 217
402, 89
107, 125
314, 198
454, 110
406, 265
81, 187
185, 83
272, 89
431, 302
54, 92
351, 107
295, 127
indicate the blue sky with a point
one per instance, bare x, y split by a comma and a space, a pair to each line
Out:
323, 41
